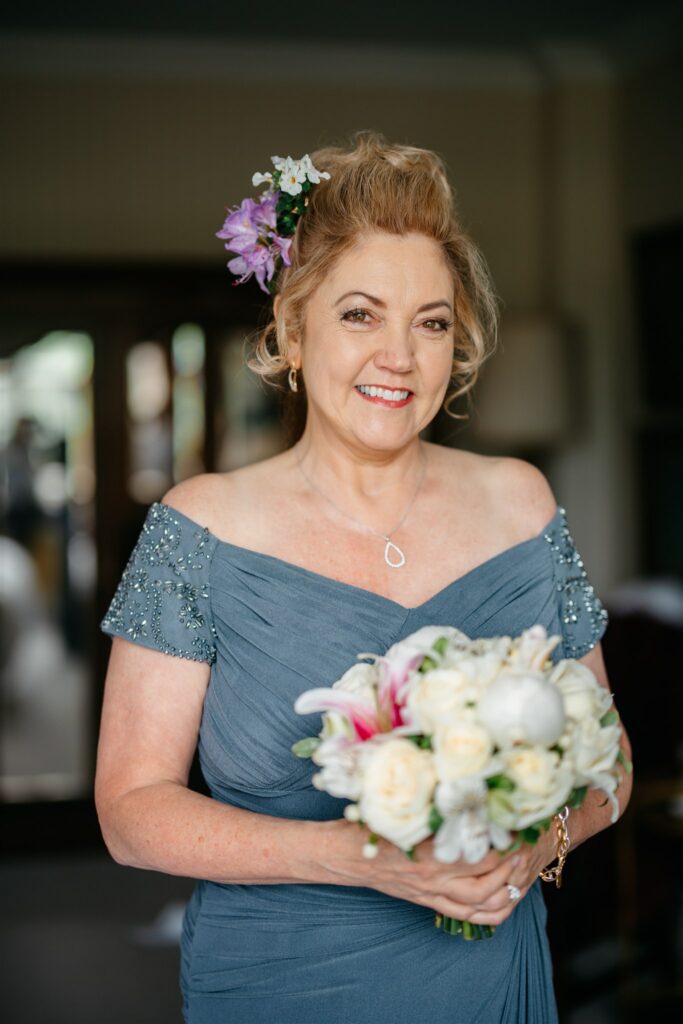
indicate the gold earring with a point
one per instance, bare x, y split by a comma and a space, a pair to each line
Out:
291, 377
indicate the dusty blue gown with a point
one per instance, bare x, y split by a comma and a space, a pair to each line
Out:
325, 954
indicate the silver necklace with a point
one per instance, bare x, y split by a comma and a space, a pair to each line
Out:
389, 545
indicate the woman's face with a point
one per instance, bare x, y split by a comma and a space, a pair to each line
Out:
382, 320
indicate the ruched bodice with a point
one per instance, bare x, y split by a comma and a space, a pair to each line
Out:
270, 630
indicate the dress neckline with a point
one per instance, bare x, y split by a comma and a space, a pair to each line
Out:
369, 594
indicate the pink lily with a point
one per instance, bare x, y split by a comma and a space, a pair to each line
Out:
362, 715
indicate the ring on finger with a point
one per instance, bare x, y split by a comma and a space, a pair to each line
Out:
513, 893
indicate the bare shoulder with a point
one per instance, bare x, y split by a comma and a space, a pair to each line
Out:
525, 491
510, 493
222, 502
201, 497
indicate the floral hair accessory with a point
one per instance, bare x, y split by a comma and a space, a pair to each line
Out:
260, 231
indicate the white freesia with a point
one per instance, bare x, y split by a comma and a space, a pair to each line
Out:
461, 749
466, 833
397, 789
439, 696
542, 781
533, 648
583, 695
522, 707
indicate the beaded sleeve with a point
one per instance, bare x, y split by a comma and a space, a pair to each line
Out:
583, 618
163, 598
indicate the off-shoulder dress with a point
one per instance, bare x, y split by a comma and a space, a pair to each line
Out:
269, 629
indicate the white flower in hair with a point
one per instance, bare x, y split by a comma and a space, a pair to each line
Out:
292, 176
258, 178
313, 174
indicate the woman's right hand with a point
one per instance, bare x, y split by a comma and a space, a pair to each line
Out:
470, 892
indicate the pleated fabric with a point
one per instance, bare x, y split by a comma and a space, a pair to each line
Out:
324, 954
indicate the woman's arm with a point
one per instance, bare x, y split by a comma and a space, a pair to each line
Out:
150, 819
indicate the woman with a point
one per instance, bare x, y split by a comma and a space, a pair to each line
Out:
249, 587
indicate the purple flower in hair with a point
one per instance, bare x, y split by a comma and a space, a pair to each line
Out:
260, 232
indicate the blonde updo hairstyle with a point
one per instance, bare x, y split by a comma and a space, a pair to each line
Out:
377, 186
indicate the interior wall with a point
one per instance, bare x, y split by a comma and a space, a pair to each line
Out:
120, 170
548, 177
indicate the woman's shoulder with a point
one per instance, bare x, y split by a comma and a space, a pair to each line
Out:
517, 493
222, 501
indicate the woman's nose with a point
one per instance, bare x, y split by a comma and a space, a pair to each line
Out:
396, 350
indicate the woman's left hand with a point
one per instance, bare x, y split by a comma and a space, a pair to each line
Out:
533, 860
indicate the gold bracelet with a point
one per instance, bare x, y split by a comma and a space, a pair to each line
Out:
554, 874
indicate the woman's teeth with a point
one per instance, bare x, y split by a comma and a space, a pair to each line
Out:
388, 396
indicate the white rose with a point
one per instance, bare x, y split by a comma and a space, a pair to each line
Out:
522, 707
398, 784
460, 749
542, 783
438, 697
583, 695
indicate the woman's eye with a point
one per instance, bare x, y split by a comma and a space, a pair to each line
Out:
440, 325
355, 316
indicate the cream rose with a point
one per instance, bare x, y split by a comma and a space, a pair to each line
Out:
439, 696
542, 783
584, 697
461, 749
398, 784
522, 707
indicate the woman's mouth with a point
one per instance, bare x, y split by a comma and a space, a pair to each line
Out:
392, 397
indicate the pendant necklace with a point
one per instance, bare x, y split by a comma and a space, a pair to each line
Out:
391, 549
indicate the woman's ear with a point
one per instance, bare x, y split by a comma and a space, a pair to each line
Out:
276, 304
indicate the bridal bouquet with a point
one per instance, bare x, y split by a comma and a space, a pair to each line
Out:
478, 742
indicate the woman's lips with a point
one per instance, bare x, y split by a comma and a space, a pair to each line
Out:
385, 401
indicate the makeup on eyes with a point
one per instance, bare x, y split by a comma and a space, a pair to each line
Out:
444, 325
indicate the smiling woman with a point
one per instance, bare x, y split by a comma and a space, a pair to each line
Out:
247, 588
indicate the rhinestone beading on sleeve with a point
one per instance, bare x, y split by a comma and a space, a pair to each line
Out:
163, 595
583, 616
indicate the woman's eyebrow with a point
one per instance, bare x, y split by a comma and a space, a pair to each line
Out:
379, 302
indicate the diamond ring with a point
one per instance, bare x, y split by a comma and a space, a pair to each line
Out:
513, 893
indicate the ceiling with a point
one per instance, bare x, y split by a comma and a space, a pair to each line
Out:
611, 27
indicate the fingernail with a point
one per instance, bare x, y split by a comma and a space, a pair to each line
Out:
517, 859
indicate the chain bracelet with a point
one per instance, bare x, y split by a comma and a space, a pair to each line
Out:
554, 874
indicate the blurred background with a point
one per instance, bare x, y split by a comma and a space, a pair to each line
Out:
126, 130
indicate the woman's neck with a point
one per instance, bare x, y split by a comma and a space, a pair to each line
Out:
344, 472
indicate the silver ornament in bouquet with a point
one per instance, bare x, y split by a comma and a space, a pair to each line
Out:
478, 742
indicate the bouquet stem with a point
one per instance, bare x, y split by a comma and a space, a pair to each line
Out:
469, 931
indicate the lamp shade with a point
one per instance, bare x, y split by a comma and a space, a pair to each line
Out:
522, 397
